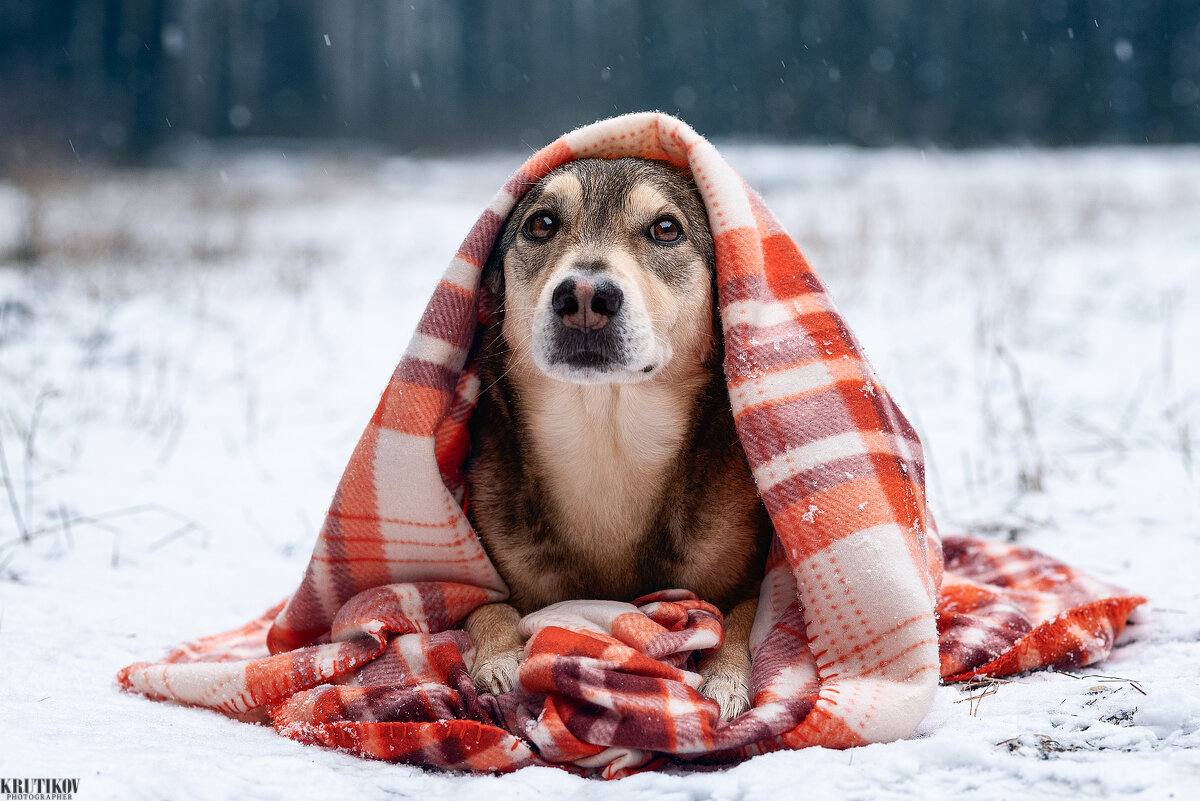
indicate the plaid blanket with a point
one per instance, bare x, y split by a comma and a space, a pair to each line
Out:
863, 607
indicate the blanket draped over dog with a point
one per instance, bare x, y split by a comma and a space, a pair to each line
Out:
863, 607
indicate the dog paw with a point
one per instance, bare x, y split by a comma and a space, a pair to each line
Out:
496, 673
730, 689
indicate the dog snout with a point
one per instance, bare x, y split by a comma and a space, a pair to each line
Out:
586, 304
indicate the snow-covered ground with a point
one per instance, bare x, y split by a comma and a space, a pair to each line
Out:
184, 373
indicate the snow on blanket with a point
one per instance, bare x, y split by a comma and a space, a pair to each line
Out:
856, 622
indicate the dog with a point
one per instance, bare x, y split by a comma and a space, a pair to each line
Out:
605, 463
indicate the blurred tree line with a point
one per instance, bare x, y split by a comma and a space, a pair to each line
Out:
124, 77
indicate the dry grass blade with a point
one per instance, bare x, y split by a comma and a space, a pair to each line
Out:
101, 521
13, 502
1105, 679
1033, 472
979, 689
1115, 680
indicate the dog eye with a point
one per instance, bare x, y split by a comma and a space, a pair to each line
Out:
665, 229
542, 225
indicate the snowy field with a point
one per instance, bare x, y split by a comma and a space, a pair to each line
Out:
185, 370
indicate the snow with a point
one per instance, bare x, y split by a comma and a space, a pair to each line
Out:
184, 374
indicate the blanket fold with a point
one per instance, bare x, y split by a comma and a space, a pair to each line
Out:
863, 607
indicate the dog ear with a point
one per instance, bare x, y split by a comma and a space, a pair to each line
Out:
491, 285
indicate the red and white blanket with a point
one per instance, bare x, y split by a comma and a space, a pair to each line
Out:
863, 607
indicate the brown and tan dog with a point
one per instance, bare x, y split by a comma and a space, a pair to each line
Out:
605, 462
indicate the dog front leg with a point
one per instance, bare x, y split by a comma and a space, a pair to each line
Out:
727, 672
498, 647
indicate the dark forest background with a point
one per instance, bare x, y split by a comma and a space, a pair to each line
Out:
123, 78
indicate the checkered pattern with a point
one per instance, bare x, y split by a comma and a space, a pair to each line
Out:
366, 654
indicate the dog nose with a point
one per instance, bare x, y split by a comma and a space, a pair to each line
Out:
586, 304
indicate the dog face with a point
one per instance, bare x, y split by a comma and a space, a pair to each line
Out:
605, 273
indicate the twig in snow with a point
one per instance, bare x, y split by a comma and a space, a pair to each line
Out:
1140, 391
969, 479
30, 449
174, 535
174, 434
1185, 446
66, 525
99, 519
1116, 679
1107, 679
986, 686
1168, 340
13, 503
1032, 479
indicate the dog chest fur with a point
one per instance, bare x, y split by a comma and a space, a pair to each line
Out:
609, 448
